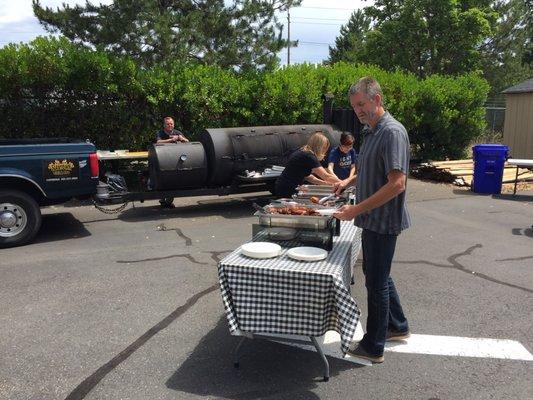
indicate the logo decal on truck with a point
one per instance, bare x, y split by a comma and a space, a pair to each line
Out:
61, 170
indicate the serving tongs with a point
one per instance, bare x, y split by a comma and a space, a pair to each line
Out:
308, 193
315, 188
262, 210
323, 200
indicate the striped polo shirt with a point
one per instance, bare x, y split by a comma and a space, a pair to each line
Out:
384, 149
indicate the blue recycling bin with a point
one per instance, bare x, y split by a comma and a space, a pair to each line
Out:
489, 160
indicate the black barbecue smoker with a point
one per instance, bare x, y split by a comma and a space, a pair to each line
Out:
228, 160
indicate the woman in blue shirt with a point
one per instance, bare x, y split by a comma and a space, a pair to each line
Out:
342, 159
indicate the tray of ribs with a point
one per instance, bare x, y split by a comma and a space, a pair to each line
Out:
296, 215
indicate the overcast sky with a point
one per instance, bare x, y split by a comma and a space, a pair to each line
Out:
315, 24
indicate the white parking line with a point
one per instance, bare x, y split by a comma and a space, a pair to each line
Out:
461, 347
426, 344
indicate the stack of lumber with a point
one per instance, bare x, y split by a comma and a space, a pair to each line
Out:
461, 172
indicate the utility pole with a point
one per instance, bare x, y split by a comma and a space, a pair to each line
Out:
289, 36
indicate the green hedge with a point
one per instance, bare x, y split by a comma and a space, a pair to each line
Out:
51, 87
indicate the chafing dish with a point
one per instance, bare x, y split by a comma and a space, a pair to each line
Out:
321, 191
309, 230
294, 221
316, 188
306, 191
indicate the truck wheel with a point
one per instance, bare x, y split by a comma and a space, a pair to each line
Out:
20, 218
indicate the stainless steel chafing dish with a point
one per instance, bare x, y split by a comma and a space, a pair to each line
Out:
317, 222
313, 190
298, 230
306, 230
320, 191
316, 188
305, 192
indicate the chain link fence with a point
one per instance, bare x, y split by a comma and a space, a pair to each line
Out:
495, 115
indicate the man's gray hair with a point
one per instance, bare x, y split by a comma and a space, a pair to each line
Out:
367, 85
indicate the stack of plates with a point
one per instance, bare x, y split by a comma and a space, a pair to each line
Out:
261, 249
269, 250
307, 253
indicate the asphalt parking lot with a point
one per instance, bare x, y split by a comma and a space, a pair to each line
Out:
127, 306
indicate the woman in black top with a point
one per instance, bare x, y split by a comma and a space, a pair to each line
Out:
304, 164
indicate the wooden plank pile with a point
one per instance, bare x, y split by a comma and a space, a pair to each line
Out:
461, 172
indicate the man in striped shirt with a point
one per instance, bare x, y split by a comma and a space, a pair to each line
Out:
380, 211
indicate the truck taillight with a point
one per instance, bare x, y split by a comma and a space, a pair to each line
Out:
93, 163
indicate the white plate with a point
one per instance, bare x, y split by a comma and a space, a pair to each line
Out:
326, 211
261, 249
307, 253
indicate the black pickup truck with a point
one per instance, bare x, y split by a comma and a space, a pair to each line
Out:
41, 172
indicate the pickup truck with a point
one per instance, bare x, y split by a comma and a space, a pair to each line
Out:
41, 172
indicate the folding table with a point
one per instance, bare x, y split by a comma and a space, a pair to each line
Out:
289, 297
519, 163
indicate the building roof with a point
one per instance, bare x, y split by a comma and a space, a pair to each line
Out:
524, 87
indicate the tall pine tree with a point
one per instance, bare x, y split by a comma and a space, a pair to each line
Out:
245, 34
350, 44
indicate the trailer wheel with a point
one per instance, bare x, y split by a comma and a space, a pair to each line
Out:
167, 202
20, 218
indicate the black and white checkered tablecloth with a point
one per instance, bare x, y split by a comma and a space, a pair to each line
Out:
284, 296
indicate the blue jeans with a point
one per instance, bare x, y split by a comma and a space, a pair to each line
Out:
384, 308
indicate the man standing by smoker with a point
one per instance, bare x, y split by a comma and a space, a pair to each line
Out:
168, 134
380, 211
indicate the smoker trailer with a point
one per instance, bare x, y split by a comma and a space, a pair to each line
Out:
218, 164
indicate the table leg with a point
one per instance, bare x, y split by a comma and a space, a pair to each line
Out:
515, 181
236, 352
324, 359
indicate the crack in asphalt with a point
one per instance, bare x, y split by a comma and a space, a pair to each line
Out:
188, 240
187, 256
438, 199
89, 383
454, 264
516, 258
215, 256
